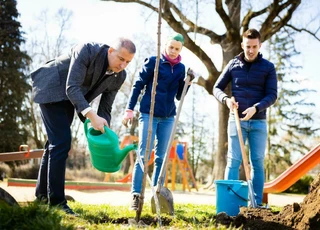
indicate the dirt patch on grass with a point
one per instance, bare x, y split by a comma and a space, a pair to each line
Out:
305, 215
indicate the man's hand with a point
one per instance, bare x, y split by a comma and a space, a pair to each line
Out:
249, 112
127, 118
232, 104
97, 122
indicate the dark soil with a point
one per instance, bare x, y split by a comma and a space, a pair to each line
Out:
304, 216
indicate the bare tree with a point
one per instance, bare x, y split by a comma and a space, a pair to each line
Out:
43, 45
235, 16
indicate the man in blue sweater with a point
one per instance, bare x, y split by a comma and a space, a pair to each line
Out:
254, 87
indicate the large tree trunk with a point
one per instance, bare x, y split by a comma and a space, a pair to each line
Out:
220, 157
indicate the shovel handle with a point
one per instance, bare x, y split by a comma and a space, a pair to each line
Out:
243, 150
173, 132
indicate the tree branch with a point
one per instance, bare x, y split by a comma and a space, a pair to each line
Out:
215, 38
226, 20
189, 43
305, 30
178, 27
269, 27
150, 6
250, 15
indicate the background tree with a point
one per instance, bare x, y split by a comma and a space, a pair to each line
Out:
234, 16
13, 80
43, 45
197, 129
291, 118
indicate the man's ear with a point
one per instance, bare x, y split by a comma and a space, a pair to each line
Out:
110, 50
241, 45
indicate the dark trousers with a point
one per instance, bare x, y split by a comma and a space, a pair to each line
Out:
57, 118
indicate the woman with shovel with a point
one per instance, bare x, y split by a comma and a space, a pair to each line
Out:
254, 87
170, 85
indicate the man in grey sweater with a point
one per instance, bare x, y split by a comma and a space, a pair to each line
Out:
68, 83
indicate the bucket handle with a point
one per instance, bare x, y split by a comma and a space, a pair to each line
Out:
229, 188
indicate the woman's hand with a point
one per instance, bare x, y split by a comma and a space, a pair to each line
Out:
127, 118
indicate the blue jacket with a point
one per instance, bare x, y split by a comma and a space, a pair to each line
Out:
254, 86
170, 85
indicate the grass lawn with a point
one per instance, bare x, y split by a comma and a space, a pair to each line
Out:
35, 216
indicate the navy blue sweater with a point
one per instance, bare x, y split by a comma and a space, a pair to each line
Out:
170, 85
254, 85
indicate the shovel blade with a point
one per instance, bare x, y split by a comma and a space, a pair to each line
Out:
165, 199
251, 194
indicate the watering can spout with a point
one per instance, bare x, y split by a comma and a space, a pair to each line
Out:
122, 153
105, 153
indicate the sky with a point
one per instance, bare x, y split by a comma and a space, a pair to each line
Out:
100, 21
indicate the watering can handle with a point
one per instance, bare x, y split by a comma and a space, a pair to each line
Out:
106, 129
86, 126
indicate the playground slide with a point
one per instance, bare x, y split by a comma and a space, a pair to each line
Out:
294, 173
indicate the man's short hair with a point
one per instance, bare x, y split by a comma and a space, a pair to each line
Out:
252, 34
124, 43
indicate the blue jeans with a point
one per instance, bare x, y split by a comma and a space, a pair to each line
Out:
57, 118
255, 131
161, 130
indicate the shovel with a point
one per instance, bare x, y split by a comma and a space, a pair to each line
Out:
163, 194
244, 158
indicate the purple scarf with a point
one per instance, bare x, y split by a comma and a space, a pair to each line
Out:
172, 61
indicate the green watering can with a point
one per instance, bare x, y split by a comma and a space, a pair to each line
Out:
106, 156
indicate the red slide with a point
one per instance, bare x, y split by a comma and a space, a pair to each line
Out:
294, 173
126, 179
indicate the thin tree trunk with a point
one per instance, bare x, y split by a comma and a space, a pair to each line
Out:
153, 95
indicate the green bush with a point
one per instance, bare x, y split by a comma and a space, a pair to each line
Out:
84, 174
5, 170
26, 171
30, 171
88, 173
301, 186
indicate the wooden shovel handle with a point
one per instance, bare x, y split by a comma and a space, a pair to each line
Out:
243, 150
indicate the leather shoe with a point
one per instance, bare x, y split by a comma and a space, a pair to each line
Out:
68, 210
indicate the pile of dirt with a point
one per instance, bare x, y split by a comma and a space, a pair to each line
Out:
305, 215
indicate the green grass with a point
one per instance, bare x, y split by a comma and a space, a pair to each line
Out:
35, 216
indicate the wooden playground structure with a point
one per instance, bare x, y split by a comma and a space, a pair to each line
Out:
178, 158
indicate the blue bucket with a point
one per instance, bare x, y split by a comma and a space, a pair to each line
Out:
230, 196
